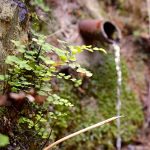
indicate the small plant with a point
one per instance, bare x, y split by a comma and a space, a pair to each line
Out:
41, 4
32, 68
31, 65
4, 140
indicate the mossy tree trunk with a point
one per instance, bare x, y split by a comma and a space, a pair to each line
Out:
10, 29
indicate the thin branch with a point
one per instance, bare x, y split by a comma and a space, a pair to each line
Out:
81, 131
56, 32
38, 54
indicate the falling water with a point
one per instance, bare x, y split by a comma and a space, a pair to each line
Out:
119, 83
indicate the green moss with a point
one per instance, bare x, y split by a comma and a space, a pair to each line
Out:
99, 103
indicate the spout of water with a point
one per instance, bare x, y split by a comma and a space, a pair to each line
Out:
99, 30
119, 83
111, 32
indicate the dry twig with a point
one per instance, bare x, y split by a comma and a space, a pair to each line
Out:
80, 131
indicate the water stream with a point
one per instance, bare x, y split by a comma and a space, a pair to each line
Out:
119, 83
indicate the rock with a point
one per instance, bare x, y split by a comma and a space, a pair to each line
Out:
8, 24
93, 8
144, 43
135, 147
10, 29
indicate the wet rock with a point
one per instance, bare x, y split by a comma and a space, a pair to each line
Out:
144, 43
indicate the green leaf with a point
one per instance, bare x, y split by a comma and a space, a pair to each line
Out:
73, 79
4, 140
100, 49
82, 70
61, 74
41, 4
34, 39
31, 52
29, 57
42, 93
72, 58
2, 77
24, 65
45, 88
47, 60
67, 77
12, 59
19, 45
47, 47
